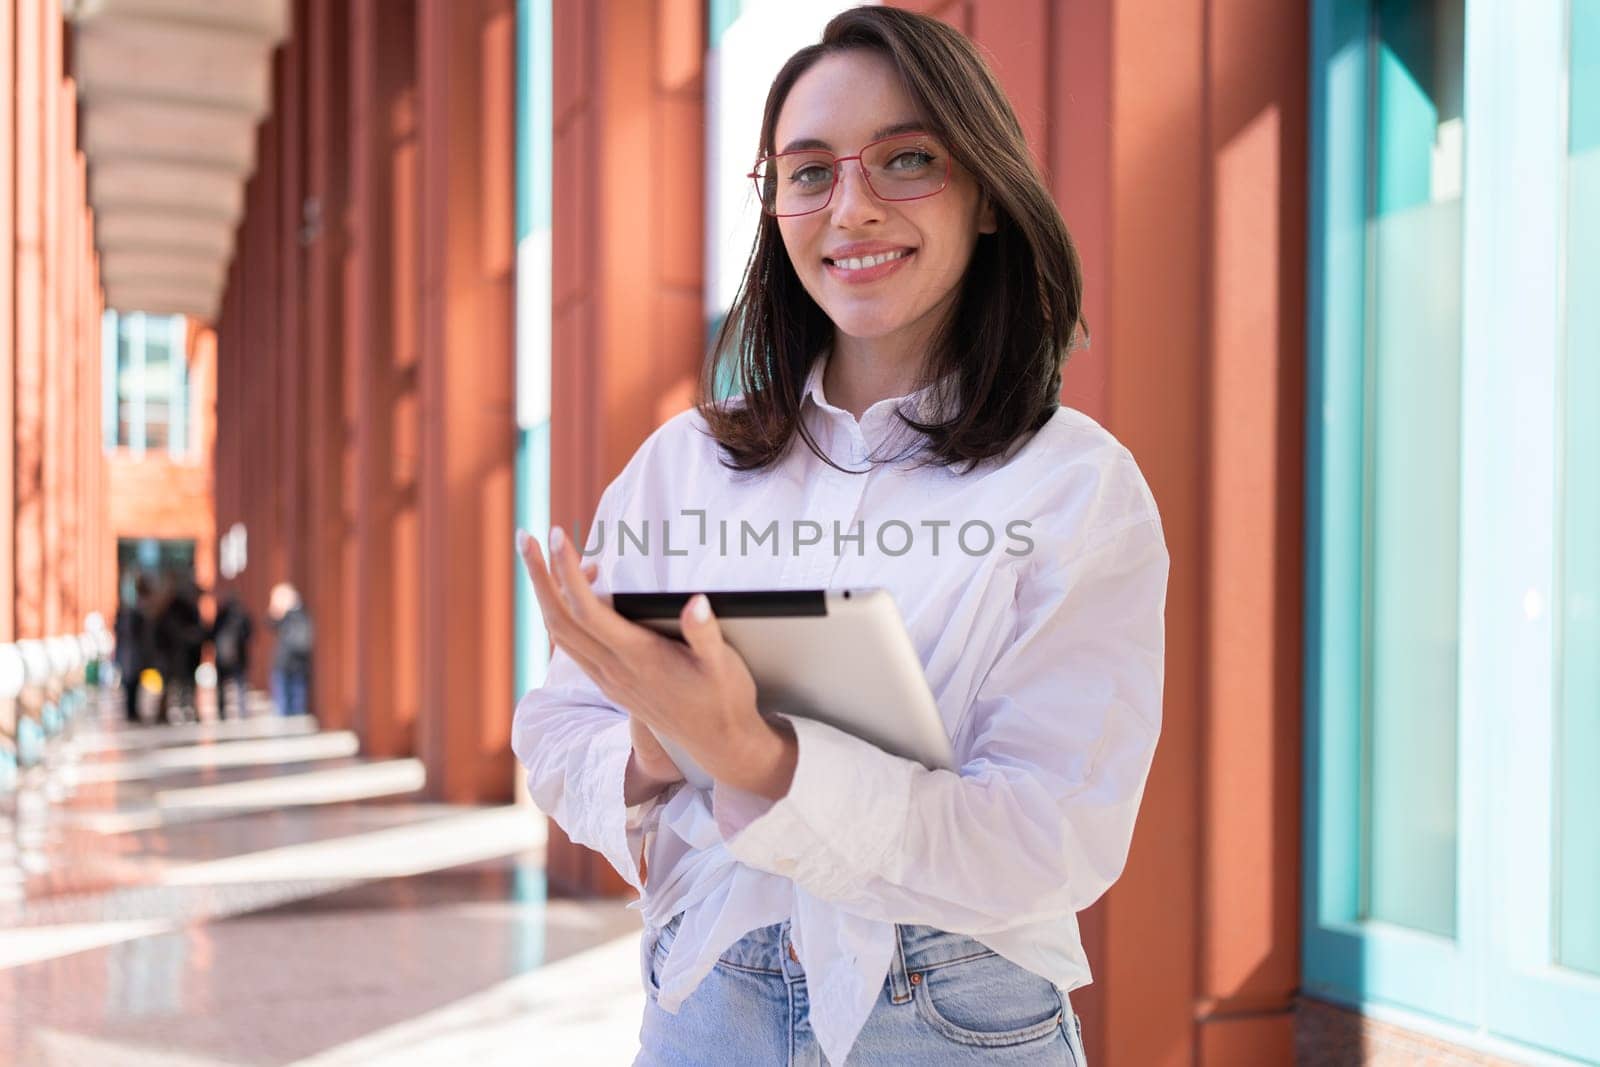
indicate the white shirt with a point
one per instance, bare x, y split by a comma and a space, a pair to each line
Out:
1044, 654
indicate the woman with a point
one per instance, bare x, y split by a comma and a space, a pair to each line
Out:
911, 296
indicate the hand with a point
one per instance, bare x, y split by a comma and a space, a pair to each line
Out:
699, 693
650, 759
650, 770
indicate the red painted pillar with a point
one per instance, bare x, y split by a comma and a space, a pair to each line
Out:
28, 352
8, 220
628, 264
50, 151
380, 340
466, 65
320, 23
289, 359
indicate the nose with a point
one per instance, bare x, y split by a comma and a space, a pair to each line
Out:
854, 202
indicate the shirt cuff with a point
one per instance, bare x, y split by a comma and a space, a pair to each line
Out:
818, 834
620, 829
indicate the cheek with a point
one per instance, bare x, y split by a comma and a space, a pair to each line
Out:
800, 241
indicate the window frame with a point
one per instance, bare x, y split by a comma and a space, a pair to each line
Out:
1497, 978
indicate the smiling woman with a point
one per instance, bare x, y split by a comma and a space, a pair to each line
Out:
986, 288
824, 898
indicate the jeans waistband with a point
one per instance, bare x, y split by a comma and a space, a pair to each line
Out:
767, 949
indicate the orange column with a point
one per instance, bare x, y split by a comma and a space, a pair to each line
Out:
8, 219
466, 78
89, 418
289, 358
628, 262
50, 315
65, 307
1256, 130
105, 560
319, 22
380, 339
28, 352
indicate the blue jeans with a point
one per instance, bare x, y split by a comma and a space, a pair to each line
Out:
947, 1000
289, 691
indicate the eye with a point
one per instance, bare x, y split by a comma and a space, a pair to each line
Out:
812, 174
910, 159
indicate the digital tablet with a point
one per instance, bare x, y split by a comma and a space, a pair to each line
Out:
839, 656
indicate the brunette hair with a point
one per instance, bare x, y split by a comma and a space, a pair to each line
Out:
1017, 316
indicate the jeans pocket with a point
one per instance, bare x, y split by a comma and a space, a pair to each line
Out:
1079, 1057
987, 1002
661, 948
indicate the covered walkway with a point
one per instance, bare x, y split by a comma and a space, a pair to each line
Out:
259, 892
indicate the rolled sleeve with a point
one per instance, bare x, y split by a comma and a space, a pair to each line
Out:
836, 778
1057, 746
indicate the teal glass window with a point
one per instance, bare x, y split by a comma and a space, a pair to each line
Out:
1413, 463
1577, 885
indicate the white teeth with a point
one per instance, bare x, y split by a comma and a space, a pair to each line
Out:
859, 262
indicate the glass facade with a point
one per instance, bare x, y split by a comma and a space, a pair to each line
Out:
1413, 463
1453, 518
147, 377
1578, 746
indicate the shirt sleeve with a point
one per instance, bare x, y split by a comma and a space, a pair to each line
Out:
575, 745
1056, 749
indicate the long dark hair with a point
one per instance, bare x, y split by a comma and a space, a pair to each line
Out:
1018, 314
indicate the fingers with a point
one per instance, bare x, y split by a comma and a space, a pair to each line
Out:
699, 627
564, 629
597, 617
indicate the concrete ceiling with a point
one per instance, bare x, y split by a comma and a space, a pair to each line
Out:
171, 92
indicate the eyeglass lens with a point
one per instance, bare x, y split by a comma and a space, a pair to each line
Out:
903, 168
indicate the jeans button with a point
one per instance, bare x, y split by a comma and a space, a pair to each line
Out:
792, 956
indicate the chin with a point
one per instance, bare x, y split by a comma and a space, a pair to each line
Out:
865, 324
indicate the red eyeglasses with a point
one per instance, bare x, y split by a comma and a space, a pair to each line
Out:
910, 166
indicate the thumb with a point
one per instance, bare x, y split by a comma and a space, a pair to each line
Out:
699, 626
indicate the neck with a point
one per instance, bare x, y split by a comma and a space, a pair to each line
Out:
864, 370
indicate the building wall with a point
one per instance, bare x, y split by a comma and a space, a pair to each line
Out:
53, 533
157, 496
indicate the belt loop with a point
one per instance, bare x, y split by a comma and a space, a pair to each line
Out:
788, 962
899, 985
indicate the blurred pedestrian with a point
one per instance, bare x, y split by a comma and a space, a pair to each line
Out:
134, 628
230, 642
291, 659
180, 640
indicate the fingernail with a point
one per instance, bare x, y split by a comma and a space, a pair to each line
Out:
556, 538
522, 542
700, 608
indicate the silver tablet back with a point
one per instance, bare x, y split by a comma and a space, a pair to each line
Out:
854, 668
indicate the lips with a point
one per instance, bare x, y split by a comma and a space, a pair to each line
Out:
866, 261
865, 254
870, 268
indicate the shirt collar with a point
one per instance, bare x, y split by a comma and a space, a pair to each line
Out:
921, 404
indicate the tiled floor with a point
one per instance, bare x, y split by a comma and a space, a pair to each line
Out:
256, 893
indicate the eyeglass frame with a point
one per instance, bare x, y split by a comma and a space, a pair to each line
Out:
838, 172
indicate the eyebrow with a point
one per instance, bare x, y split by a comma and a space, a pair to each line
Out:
887, 131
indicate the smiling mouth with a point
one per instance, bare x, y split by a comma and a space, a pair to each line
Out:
864, 262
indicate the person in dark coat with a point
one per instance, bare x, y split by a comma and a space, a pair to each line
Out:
230, 642
134, 629
291, 659
180, 640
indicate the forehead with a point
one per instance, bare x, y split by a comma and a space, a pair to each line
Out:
844, 100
